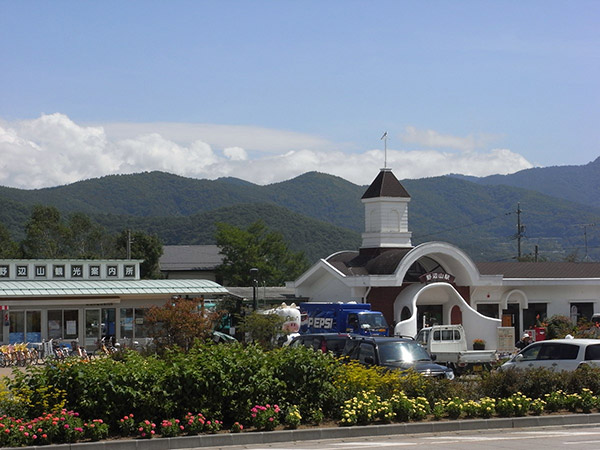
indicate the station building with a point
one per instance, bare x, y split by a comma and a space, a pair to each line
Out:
438, 283
85, 300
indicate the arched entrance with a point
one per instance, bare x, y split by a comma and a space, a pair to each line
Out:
454, 310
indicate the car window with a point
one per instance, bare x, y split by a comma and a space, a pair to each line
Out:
366, 351
554, 351
569, 351
422, 337
336, 345
446, 335
351, 349
530, 353
592, 352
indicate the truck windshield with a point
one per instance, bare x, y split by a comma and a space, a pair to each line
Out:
390, 352
373, 320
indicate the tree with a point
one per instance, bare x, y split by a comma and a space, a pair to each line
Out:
263, 328
8, 248
143, 246
180, 322
46, 236
256, 247
86, 239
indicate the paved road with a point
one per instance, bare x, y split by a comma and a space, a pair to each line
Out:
549, 438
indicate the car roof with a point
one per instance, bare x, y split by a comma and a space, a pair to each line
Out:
323, 335
571, 341
382, 339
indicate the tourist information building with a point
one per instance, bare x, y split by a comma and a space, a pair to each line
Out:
85, 300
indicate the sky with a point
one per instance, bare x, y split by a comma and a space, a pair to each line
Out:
266, 90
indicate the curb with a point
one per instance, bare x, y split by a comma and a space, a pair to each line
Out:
270, 437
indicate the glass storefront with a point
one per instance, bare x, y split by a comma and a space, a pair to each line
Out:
24, 326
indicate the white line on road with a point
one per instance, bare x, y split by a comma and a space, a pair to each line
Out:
348, 445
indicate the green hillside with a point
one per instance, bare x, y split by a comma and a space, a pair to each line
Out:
315, 238
320, 213
579, 184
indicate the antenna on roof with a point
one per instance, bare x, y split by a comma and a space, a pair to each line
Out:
384, 138
585, 227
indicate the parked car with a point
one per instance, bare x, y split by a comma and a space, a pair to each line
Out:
394, 353
556, 354
325, 342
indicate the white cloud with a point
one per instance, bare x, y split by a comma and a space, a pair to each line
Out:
53, 150
235, 153
252, 138
431, 138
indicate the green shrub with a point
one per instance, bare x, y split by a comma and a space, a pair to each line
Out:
454, 408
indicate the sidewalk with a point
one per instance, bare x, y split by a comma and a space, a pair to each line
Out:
270, 437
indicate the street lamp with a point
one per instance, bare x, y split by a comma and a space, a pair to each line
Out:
254, 273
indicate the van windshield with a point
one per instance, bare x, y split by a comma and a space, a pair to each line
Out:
373, 320
398, 351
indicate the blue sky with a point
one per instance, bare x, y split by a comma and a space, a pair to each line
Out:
267, 90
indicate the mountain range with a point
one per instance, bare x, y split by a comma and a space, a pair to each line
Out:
320, 214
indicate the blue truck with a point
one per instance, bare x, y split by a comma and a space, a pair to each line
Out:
354, 318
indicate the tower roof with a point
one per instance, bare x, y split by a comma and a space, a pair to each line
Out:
385, 185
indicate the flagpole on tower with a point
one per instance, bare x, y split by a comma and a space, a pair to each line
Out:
384, 138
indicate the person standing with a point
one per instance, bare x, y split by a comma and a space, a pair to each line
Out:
524, 342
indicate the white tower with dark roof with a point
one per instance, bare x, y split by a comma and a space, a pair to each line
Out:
386, 213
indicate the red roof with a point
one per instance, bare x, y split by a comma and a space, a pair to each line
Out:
541, 269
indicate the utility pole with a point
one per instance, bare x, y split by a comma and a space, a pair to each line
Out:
129, 240
520, 230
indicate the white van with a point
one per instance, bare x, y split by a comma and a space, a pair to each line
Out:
557, 354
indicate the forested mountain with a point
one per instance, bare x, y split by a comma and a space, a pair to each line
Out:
579, 184
320, 213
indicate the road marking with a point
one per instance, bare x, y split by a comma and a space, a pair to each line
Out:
371, 444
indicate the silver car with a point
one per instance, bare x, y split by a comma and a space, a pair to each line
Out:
557, 354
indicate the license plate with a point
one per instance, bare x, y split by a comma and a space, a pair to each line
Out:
477, 368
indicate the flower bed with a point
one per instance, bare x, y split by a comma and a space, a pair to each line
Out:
244, 389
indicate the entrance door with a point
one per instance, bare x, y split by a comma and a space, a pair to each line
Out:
92, 328
99, 323
109, 320
511, 317
428, 315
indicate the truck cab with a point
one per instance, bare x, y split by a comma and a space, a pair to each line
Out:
447, 344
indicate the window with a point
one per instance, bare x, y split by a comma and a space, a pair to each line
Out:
126, 322
446, 335
63, 324
581, 311
534, 315
531, 353
141, 326
558, 351
33, 326
592, 352
367, 351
